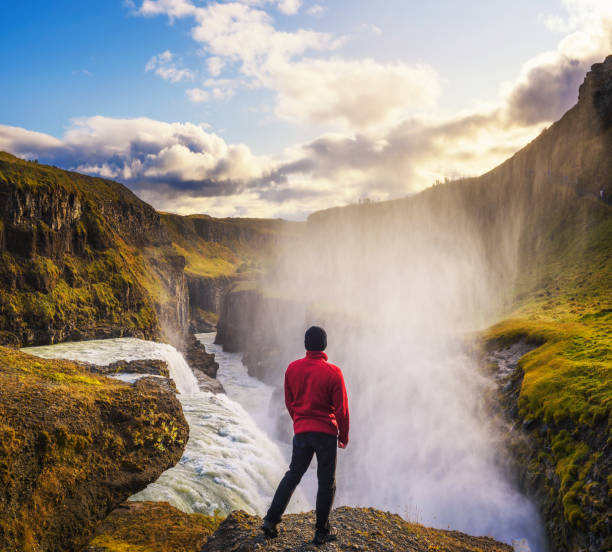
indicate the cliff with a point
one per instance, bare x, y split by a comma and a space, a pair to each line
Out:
83, 257
74, 445
218, 252
358, 529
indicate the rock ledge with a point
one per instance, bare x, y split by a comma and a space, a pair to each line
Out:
364, 529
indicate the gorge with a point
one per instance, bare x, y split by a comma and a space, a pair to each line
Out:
472, 322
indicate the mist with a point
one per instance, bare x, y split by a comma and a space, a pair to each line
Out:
399, 288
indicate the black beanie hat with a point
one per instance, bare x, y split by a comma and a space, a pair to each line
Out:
315, 339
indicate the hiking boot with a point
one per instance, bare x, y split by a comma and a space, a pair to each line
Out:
270, 529
321, 537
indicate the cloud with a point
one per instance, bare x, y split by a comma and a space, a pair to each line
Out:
215, 66
164, 66
358, 94
548, 83
316, 10
385, 147
370, 28
197, 95
289, 7
145, 154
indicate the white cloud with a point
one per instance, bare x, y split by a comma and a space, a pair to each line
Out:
145, 153
393, 146
164, 66
316, 10
370, 28
215, 66
360, 94
197, 95
289, 7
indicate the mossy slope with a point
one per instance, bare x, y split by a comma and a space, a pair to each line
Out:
73, 446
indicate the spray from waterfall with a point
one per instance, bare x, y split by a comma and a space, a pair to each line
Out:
398, 290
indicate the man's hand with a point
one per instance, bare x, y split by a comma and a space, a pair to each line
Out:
341, 445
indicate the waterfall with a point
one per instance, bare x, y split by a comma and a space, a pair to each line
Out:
180, 372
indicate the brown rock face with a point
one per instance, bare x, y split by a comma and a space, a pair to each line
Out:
597, 90
73, 446
148, 366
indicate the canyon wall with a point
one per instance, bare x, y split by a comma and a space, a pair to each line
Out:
83, 257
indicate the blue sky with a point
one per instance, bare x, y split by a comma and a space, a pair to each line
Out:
295, 80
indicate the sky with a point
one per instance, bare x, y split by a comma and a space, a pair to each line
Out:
278, 108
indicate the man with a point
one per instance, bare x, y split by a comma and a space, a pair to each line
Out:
316, 399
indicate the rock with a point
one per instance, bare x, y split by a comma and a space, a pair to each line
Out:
75, 445
149, 366
358, 529
152, 527
167, 384
197, 357
530, 445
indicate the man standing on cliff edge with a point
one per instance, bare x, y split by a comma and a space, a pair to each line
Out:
316, 399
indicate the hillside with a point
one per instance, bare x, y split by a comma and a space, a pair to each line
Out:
82, 257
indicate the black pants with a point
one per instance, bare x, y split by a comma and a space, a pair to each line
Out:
305, 445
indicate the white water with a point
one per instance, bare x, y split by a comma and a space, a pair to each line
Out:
106, 351
229, 462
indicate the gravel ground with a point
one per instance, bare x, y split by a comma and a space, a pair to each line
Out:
364, 529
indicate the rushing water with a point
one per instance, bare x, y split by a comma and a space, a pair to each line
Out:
229, 461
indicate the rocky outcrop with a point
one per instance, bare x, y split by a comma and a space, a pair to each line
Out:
218, 252
249, 322
364, 529
203, 364
533, 445
152, 527
73, 446
148, 366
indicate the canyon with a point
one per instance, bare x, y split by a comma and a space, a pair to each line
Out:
515, 266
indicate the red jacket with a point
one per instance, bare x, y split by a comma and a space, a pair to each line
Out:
315, 396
